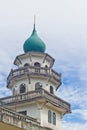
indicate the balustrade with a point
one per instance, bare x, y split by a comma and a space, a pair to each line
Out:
41, 93
17, 120
33, 70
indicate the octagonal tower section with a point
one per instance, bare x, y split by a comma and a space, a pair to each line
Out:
34, 71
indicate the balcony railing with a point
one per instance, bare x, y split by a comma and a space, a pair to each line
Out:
17, 120
33, 95
34, 71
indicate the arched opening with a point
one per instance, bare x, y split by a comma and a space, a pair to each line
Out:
51, 89
38, 85
46, 68
22, 88
54, 118
13, 91
49, 116
37, 64
37, 67
26, 65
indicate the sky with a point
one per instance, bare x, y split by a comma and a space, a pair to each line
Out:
62, 25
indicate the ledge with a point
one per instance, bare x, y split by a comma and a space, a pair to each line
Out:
35, 71
34, 95
15, 121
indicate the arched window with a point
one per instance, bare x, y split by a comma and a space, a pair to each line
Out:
13, 91
26, 65
22, 88
54, 118
46, 67
51, 89
49, 116
38, 85
37, 66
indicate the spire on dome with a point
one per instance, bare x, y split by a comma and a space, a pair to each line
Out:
34, 21
34, 28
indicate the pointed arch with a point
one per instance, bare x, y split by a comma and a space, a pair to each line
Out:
38, 85
49, 116
51, 90
22, 88
26, 65
54, 118
37, 66
13, 91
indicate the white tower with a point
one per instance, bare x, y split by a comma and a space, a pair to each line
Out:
34, 84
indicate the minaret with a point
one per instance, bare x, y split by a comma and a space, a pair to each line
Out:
34, 84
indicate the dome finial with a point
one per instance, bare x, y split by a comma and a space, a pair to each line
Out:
34, 22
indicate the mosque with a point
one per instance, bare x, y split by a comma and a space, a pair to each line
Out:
34, 104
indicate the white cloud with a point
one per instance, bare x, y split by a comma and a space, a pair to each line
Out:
5, 61
74, 126
83, 72
1, 78
4, 91
81, 112
75, 95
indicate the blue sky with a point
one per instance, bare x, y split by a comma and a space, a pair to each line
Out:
62, 25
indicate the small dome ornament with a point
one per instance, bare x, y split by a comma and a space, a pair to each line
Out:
34, 43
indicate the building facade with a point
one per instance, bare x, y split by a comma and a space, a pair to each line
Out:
34, 104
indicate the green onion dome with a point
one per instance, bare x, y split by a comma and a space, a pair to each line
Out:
34, 43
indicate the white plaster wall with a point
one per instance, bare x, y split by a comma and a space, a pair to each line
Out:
40, 112
44, 118
30, 84
31, 59
32, 110
19, 82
